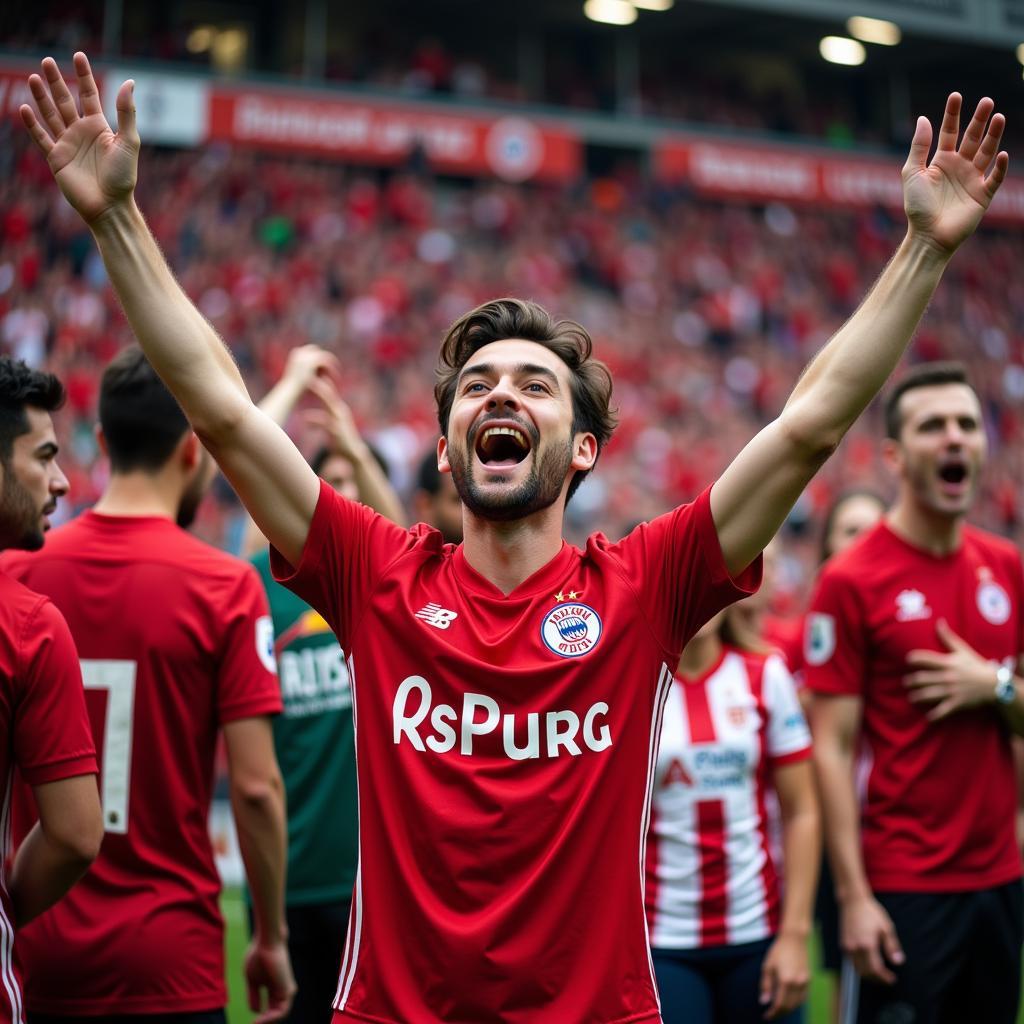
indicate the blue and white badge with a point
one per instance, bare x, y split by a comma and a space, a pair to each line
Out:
994, 602
571, 629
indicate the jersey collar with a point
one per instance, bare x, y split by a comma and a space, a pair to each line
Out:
548, 577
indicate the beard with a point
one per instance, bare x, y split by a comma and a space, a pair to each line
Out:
539, 490
188, 507
194, 493
19, 517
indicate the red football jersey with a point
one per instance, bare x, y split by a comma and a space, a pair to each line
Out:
505, 747
44, 733
940, 798
175, 640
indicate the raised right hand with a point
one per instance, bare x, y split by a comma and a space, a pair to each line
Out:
869, 938
94, 167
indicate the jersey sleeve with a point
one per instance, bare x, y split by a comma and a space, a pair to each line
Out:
1019, 605
346, 552
676, 566
247, 673
835, 646
788, 738
52, 736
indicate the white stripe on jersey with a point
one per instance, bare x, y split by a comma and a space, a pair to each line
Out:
657, 717
746, 851
10, 979
351, 957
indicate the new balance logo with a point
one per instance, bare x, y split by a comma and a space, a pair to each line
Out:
437, 616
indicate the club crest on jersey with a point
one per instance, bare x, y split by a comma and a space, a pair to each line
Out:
571, 629
993, 602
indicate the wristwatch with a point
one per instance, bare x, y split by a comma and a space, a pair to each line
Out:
1006, 691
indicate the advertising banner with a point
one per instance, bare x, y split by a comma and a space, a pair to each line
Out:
763, 172
515, 148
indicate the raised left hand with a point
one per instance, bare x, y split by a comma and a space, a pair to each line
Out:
950, 680
785, 975
946, 197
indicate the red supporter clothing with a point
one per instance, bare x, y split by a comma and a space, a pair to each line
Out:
787, 637
44, 733
940, 798
175, 641
505, 749
711, 879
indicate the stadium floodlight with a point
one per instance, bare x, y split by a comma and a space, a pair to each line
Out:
611, 12
840, 50
653, 5
874, 30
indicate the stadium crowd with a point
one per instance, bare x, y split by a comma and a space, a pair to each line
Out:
705, 312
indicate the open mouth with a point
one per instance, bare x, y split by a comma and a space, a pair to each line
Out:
954, 476
953, 472
500, 447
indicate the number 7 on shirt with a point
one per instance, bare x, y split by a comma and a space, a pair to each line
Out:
117, 678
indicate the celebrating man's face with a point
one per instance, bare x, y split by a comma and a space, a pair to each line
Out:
510, 437
941, 448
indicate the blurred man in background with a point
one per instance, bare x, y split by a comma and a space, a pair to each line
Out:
913, 639
44, 728
176, 644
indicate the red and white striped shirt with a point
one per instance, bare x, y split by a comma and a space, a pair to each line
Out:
711, 879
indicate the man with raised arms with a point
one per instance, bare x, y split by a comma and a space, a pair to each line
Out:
508, 691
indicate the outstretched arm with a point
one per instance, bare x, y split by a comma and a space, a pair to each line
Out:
96, 170
944, 200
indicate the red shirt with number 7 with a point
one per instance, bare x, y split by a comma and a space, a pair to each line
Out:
175, 640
